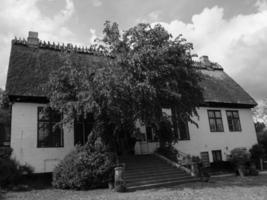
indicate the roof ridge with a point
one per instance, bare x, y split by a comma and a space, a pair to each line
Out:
69, 47
211, 66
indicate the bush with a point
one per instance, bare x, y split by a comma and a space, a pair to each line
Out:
257, 151
240, 157
5, 152
84, 168
169, 152
11, 172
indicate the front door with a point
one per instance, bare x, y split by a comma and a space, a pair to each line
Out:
82, 128
147, 142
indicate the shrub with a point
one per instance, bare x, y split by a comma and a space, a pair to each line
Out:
9, 172
84, 168
5, 152
169, 152
240, 157
257, 151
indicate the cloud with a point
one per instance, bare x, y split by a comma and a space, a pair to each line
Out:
17, 17
150, 17
93, 36
239, 44
96, 3
261, 5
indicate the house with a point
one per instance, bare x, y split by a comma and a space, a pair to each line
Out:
225, 118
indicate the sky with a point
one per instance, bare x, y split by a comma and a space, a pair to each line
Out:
232, 33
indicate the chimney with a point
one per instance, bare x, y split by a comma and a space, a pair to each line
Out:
204, 60
33, 40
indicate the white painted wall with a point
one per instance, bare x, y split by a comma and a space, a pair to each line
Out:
202, 140
24, 139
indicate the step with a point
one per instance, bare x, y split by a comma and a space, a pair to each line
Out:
144, 182
142, 174
162, 184
150, 168
156, 178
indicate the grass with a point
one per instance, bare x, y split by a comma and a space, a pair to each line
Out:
248, 188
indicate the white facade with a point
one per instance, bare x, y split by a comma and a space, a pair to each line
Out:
24, 139
25, 150
203, 140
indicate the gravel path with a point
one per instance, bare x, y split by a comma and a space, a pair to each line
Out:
224, 188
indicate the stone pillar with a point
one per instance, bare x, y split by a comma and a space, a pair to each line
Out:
119, 179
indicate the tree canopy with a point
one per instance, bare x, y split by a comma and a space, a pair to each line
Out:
146, 70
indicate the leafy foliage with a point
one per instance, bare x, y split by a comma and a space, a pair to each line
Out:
11, 172
169, 152
261, 134
239, 156
148, 70
85, 167
257, 151
5, 152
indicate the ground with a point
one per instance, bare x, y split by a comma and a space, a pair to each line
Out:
223, 188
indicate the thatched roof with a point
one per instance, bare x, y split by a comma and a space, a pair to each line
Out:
29, 68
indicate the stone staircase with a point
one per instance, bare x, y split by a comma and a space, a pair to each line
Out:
149, 171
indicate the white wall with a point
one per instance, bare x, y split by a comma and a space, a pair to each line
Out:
24, 139
202, 140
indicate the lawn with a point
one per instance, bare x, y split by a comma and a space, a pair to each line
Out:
227, 188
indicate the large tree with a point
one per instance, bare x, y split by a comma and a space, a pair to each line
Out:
145, 70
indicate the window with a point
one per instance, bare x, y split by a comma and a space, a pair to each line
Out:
233, 120
215, 120
49, 135
151, 134
183, 130
217, 155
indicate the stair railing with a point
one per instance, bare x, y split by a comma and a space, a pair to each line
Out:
186, 161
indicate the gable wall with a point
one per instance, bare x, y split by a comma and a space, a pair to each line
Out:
24, 139
202, 140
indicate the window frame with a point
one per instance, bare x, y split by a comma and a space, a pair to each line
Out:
51, 124
215, 119
233, 118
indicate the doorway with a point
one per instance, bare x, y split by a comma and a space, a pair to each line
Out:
82, 128
147, 142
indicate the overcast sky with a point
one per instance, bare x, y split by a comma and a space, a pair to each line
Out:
231, 32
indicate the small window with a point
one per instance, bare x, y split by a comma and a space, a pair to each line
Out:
217, 155
151, 134
215, 121
183, 130
49, 135
233, 120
